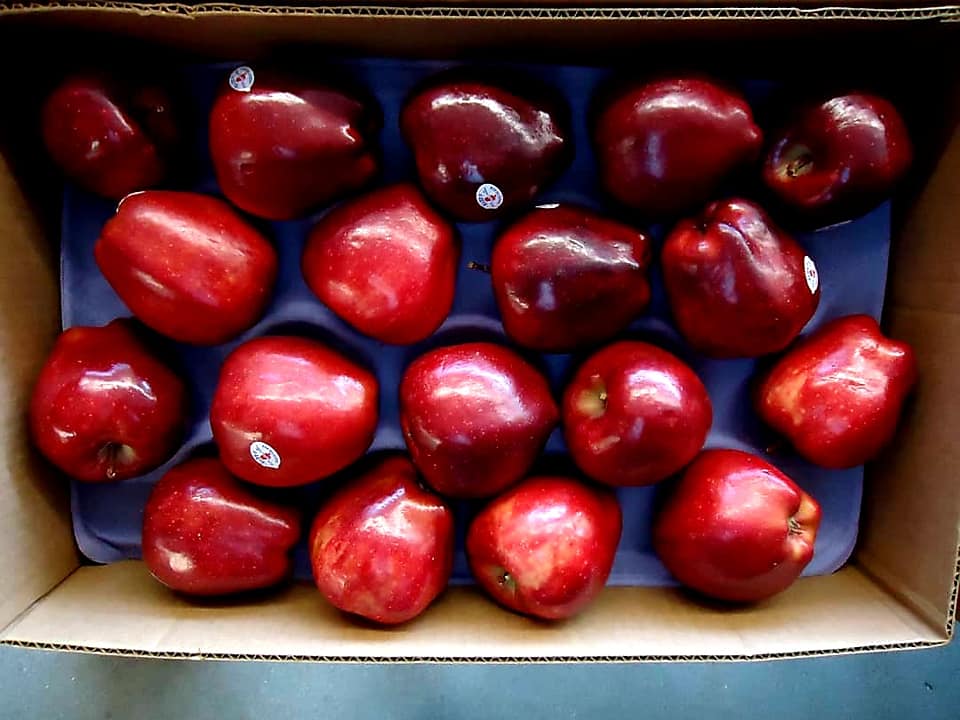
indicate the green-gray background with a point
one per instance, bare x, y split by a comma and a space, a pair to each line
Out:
923, 685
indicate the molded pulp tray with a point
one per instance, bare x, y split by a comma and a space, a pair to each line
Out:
851, 258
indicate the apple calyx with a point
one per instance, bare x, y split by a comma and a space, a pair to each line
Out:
797, 161
592, 402
505, 580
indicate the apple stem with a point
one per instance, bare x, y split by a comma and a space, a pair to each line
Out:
113, 453
795, 528
110, 455
775, 447
480, 267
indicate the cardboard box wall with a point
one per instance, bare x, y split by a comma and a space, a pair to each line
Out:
900, 589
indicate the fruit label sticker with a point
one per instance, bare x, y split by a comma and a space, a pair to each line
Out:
810, 272
241, 79
264, 455
489, 196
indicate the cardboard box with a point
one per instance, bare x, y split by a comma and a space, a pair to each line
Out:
900, 589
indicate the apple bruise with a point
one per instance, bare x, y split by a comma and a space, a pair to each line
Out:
463, 406
634, 414
736, 528
103, 408
839, 158
546, 547
205, 534
837, 395
382, 547
386, 263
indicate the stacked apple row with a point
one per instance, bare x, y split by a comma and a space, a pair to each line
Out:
475, 417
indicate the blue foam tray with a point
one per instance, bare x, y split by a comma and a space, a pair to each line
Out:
851, 258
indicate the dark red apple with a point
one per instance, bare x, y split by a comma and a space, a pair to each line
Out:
736, 528
382, 546
282, 146
289, 411
840, 157
482, 149
545, 547
108, 135
635, 414
104, 408
565, 277
187, 265
837, 394
738, 285
475, 417
204, 534
666, 145
386, 263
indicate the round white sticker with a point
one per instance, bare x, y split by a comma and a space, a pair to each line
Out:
810, 271
263, 454
489, 196
241, 79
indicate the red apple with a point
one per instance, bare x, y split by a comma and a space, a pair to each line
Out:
475, 417
545, 547
666, 145
482, 149
386, 263
635, 414
104, 408
382, 547
187, 265
837, 394
289, 411
840, 157
736, 528
282, 146
109, 136
204, 534
738, 285
565, 277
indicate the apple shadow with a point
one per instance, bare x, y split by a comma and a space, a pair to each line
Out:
246, 598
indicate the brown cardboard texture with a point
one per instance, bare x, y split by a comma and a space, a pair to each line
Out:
900, 588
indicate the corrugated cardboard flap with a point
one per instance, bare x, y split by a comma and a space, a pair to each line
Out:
119, 609
797, 10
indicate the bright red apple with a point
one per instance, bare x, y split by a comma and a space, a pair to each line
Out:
565, 277
738, 285
204, 534
736, 528
840, 157
482, 149
635, 414
837, 394
108, 135
546, 547
104, 408
382, 546
666, 145
187, 265
289, 411
475, 416
386, 263
282, 146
